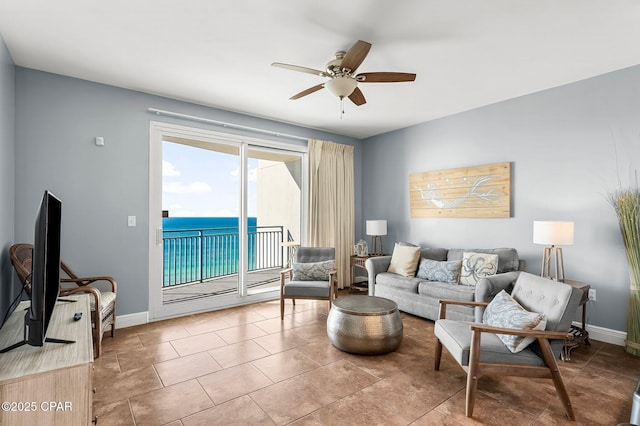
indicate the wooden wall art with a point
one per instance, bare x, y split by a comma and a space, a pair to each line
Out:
480, 191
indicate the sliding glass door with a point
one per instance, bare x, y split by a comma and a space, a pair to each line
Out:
223, 210
200, 219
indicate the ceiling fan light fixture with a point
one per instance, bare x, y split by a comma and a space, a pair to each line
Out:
341, 86
342, 78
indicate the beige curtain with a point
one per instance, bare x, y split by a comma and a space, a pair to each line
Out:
331, 202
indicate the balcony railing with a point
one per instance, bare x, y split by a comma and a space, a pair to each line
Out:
197, 255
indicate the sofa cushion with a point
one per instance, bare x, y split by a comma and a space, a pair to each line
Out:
508, 259
505, 312
446, 272
439, 290
389, 279
404, 260
476, 266
438, 254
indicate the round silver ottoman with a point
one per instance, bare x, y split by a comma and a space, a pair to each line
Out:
366, 325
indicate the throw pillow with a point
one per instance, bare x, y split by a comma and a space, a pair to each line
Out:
405, 243
404, 260
313, 271
476, 266
446, 272
505, 312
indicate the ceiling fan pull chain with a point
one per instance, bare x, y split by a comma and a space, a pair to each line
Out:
341, 107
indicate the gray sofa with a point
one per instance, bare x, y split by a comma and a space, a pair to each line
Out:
420, 297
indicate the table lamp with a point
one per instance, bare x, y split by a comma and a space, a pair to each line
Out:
376, 228
553, 234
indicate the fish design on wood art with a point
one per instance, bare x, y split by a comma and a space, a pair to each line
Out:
431, 194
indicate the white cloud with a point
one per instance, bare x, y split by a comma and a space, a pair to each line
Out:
181, 188
169, 169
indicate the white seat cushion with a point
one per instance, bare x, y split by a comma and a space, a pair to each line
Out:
106, 299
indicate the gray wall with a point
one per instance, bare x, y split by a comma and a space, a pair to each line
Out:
562, 144
8, 288
57, 119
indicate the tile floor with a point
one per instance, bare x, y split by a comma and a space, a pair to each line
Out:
245, 366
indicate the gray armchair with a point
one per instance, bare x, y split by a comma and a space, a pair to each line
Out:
311, 276
479, 350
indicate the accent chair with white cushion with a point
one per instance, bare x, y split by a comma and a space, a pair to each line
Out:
538, 309
312, 275
103, 291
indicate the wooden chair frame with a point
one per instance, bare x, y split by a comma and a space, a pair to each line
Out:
22, 260
475, 369
333, 289
99, 318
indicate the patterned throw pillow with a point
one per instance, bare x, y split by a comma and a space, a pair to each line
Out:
313, 271
445, 272
404, 260
476, 266
505, 312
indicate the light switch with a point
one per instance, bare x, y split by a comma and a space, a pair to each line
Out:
99, 141
131, 221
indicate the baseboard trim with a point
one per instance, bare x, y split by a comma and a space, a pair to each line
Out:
607, 335
601, 334
129, 320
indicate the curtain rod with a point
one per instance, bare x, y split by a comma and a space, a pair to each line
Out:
223, 124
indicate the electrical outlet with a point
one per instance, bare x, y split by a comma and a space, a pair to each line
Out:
592, 294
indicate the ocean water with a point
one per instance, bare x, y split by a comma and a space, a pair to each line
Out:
189, 223
199, 248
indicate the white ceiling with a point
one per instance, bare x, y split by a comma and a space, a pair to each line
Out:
466, 53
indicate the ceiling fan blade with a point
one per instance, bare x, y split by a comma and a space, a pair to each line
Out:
300, 69
354, 57
384, 77
357, 97
308, 91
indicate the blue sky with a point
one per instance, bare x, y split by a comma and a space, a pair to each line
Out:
200, 183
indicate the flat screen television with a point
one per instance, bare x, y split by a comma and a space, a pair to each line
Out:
45, 277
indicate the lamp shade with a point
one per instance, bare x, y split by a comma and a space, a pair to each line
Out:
376, 227
552, 233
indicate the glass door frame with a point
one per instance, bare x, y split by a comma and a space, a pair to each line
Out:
157, 132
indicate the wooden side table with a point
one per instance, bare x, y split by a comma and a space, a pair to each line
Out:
358, 262
580, 334
361, 284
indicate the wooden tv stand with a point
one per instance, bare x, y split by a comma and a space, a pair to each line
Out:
51, 384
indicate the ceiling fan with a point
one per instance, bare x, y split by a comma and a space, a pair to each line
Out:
343, 82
